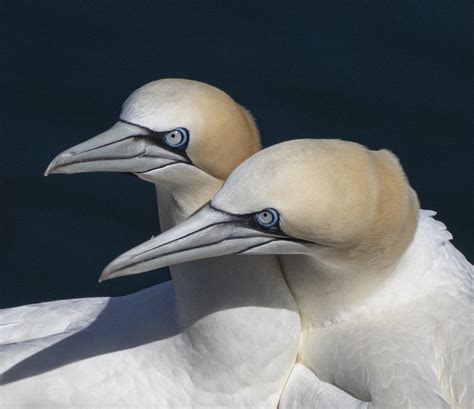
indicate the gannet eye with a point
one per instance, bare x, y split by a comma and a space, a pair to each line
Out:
267, 218
177, 138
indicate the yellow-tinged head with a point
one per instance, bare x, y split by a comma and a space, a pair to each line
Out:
338, 194
168, 122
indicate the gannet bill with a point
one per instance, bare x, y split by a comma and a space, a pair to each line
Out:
385, 299
223, 334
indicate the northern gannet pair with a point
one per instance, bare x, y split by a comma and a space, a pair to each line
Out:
377, 307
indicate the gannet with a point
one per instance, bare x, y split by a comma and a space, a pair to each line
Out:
223, 334
385, 299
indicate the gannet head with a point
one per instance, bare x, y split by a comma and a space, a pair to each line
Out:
338, 201
166, 123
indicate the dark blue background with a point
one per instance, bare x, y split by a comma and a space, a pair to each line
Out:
388, 74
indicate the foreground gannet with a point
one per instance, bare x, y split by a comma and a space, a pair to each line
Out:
224, 334
385, 299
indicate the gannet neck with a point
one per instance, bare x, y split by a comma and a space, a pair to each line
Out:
182, 191
416, 320
205, 287
232, 306
326, 295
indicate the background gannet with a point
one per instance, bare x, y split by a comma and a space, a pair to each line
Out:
385, 299
223, 335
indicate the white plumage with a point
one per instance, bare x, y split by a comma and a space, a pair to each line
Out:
28, 322
72, 331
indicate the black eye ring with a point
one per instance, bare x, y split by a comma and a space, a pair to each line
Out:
267, 218
177, 138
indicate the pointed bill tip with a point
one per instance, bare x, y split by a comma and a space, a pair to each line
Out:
104, 276
115, 268
60, 160
107, 273
49, 169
